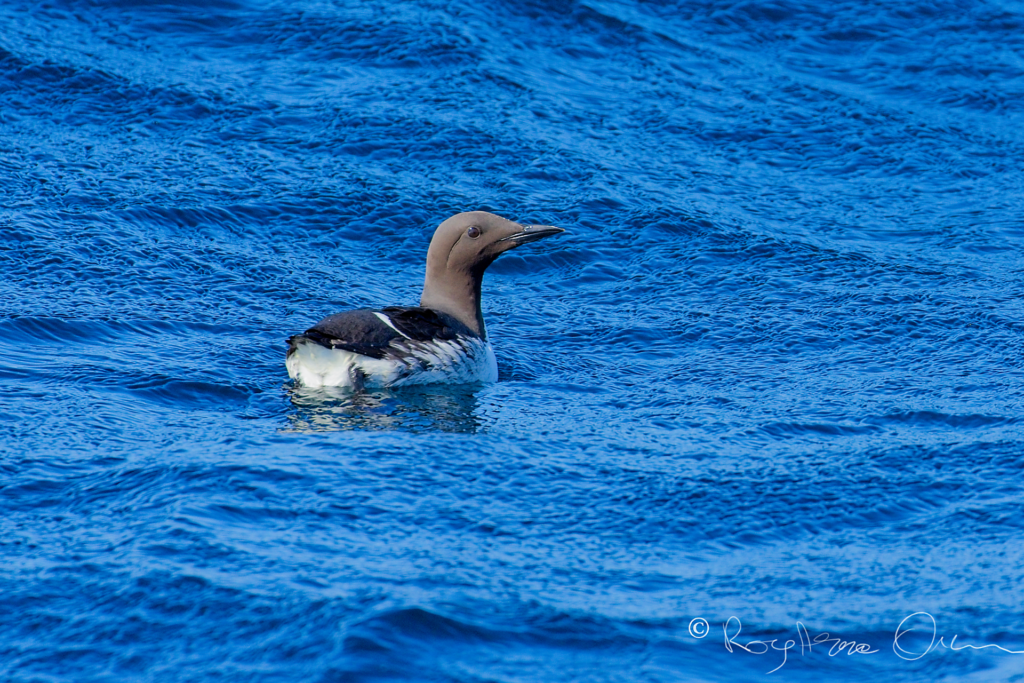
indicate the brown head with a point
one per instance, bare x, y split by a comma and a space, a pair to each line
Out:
460, 251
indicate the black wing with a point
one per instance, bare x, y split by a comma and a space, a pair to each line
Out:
425, 324
364, 332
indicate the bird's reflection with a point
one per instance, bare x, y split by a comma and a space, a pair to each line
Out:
446, 408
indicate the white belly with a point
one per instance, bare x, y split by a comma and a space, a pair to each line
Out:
458, 361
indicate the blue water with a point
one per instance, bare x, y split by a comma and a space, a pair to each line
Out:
773, 370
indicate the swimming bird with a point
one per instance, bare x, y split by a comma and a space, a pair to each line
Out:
441, 340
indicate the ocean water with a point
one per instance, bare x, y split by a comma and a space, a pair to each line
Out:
767, 387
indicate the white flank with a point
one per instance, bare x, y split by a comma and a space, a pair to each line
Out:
457, 361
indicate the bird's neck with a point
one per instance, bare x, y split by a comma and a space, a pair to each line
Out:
457, 294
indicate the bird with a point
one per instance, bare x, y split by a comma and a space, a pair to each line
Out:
443, 340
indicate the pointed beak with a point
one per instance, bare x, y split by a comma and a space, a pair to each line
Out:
530, 233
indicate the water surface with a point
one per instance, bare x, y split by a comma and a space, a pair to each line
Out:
772, 372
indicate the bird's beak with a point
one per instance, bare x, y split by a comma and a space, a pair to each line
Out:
530, 233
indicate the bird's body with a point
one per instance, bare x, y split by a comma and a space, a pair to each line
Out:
443, 340
388, 348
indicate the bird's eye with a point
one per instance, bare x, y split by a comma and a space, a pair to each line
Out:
473, 232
